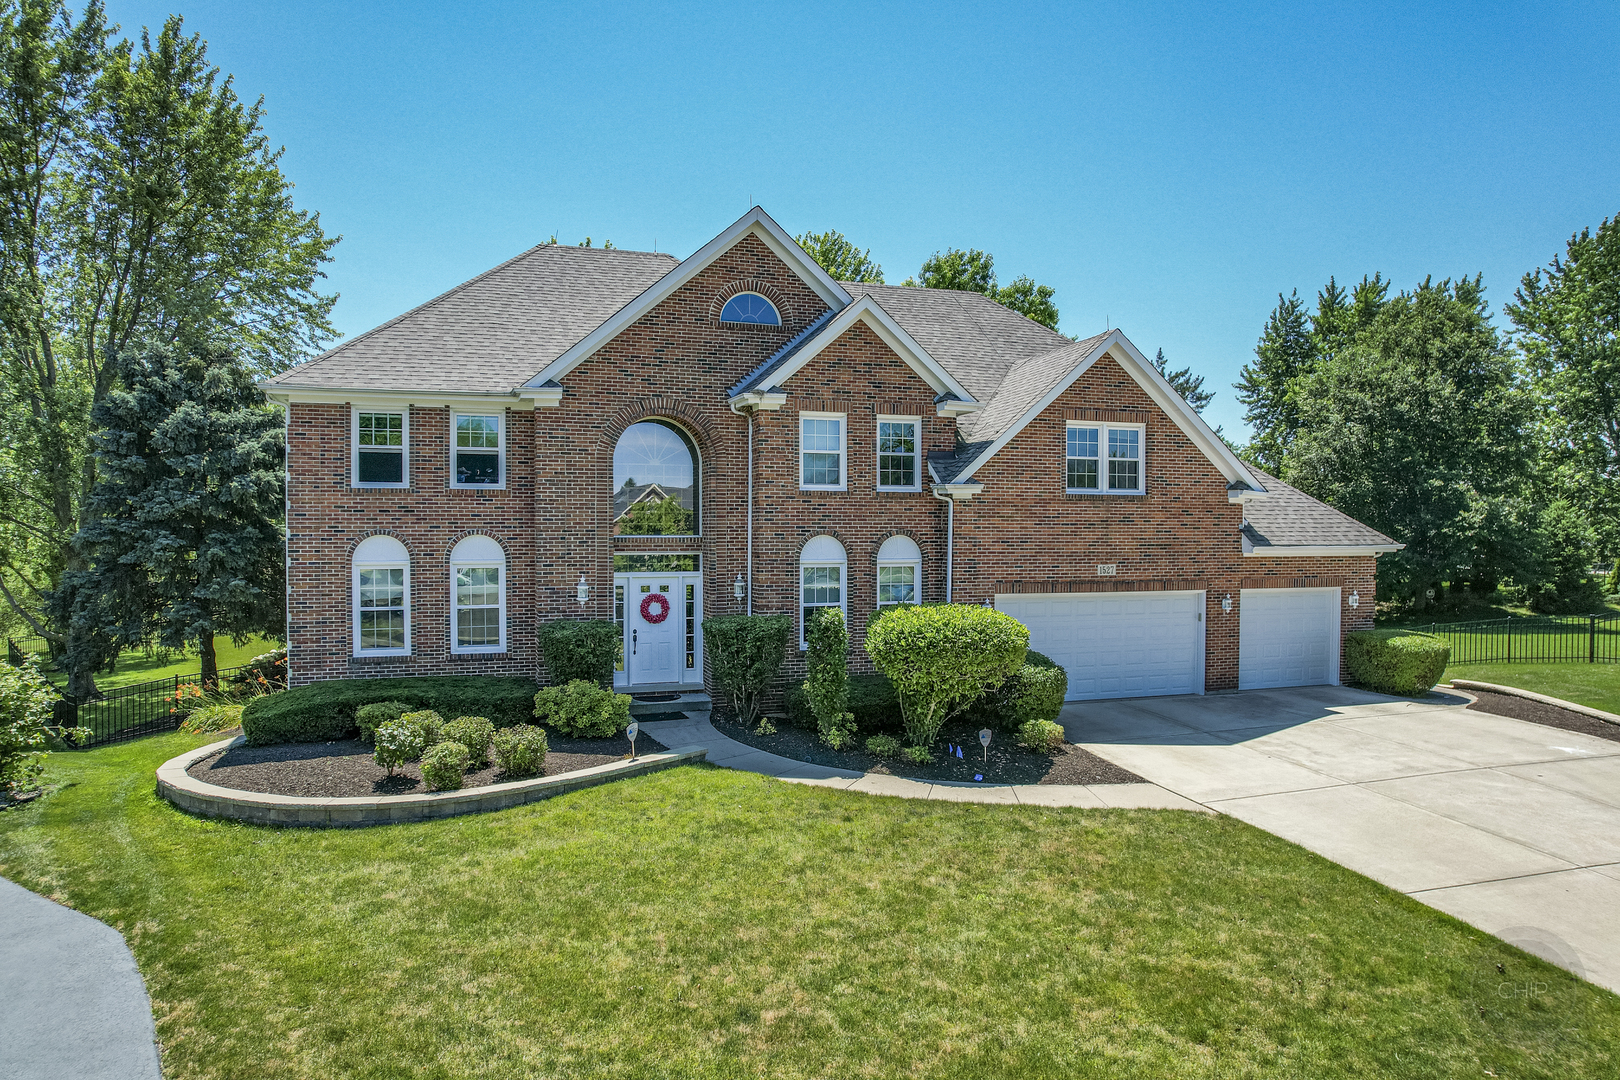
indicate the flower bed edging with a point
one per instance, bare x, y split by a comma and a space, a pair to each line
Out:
210, 800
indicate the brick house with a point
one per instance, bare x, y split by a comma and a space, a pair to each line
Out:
616, 434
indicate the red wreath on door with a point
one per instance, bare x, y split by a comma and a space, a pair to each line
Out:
647, 608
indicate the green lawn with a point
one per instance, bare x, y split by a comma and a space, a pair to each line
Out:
1594, 685
134, 666
702, 922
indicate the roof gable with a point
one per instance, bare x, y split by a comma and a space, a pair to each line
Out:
756, 223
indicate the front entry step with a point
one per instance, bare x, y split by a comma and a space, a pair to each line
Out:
687, 702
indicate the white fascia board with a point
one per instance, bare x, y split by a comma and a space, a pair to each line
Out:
959, 492
766, 400
394, 399
757, 222
1268, 551
1163, 395
905, 346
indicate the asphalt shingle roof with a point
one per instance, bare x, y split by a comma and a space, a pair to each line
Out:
1024, 384
1287, 517
493, 333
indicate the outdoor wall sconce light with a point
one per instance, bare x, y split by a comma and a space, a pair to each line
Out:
1226, 605
1355, 599
583, 589
739, 587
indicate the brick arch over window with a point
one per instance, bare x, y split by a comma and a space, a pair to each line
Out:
909, 534
697, 428
360, 538
749, 285
506, 548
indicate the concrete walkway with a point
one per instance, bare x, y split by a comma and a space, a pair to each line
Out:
1510, 826
75, 1007
697, 731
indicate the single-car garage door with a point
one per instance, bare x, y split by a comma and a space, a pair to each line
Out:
1288, 637
1117, 644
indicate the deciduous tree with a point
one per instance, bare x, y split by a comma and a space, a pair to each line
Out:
840, 257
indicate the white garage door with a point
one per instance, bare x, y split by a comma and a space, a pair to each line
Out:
1117, 644
1288, 637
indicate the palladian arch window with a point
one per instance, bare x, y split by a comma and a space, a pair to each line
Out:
750, 307
381, 586
655, 481
478, 596
899, 571
822, 570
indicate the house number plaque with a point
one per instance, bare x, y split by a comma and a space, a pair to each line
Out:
1107, 569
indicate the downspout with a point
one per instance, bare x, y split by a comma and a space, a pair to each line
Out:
950, 537
748, 567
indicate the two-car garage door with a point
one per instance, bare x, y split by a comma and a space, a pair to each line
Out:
1117, 644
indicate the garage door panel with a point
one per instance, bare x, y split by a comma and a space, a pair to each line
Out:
1288, 637
1117, 645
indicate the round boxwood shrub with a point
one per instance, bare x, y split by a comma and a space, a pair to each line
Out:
368, 717
583, 710
398, 741
1395, 661
473, 732
1034, 692
1042, 736
429, 723
521, 751
444, 765
884, 746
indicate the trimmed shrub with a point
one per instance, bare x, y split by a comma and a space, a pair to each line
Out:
583, 710
27, 707
917, 755
1042, 736
884, 746
826, 686
430, 723
745, 652
943, 658
219, 716
368, 717
1395, 661
444, 766
324, 711
398, 741
580, 649
872, 702
520, 751
1034, 692
473, 732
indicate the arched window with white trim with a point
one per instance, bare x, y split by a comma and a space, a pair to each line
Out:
899, 572
477, 596
381, 585
750, 307
822, 573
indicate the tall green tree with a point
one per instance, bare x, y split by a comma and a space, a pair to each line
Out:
1185, 383
973, 270
840, 257
1267, 387
139, 201
1567, 318
184, 536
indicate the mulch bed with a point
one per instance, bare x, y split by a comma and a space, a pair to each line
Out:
1009, 763
339, 770
1538, 713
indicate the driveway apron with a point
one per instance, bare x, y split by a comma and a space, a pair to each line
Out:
1510, 826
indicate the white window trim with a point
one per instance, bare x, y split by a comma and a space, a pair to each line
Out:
404, 450
843, 452
779, 323
484, 650
500, 448
916, 451
843, 596
1102, 429
917, 580
354, 606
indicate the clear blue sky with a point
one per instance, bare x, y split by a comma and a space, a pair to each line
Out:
1167, 168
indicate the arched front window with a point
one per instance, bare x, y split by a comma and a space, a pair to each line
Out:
478, 596
750, 307
899, 572
655, 481
381, 587
822, 573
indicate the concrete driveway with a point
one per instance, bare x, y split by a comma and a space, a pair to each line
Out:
1511, 826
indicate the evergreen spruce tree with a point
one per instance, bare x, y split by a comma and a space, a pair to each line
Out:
1286, 351
183, 536
1185, 383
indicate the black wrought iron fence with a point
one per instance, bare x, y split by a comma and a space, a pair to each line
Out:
1541, 639
127, 712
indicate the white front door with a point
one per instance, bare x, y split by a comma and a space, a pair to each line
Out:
1288, 637
662, 616
1117, 644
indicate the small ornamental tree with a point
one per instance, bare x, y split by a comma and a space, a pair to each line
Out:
26, 703
826, 685
745, 653
942, 658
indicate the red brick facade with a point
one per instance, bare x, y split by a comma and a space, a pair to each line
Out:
555, 516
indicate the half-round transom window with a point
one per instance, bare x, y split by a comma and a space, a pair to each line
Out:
750, 307
655, 481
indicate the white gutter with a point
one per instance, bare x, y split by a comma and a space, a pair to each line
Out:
748, 568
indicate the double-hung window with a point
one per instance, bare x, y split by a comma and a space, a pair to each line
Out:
478, 596
822, 566
899, 466
1104, 458
381, 457
821, 451
478, 450
382, 598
